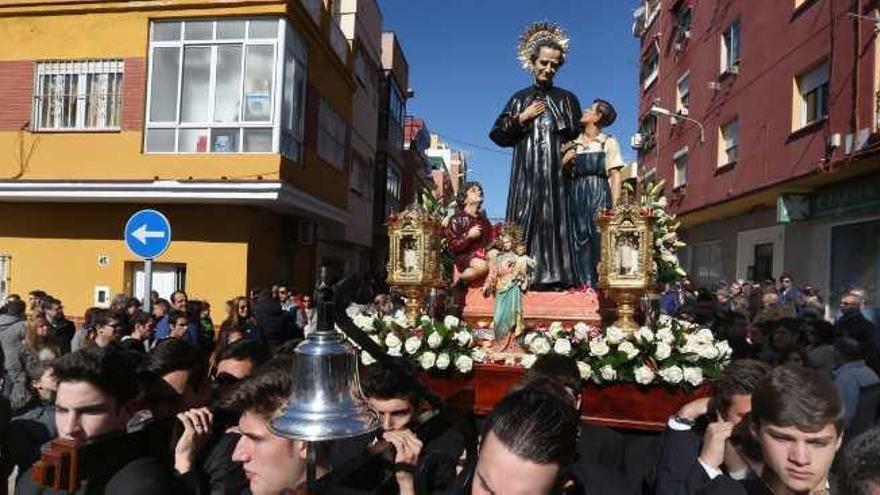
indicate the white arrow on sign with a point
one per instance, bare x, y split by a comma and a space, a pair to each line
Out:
142, 234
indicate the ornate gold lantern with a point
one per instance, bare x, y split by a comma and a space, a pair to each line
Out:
414, 255
626, 269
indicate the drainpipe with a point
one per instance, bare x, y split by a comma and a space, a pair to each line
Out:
855, 8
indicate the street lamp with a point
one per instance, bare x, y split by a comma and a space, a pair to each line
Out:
656, 110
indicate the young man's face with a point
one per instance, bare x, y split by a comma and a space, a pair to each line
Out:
740, 406
395, 414
500, 471
801, 460
178, 301
239, 368
178, 328
272, 464
83, 411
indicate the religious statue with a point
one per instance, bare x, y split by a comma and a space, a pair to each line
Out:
592, 165
508, 280
535, 122
468, 235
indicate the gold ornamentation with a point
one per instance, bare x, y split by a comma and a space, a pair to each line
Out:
414, 255
626, 268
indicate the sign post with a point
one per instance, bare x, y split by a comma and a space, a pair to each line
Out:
147, 235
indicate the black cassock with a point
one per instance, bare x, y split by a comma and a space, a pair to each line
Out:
536, 199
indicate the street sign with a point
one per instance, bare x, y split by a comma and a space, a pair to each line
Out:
147, 234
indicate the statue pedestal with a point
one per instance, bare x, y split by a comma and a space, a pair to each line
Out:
539, 308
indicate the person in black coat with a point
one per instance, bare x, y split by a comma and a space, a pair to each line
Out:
708, 436
94, 402
274, 325
61, 328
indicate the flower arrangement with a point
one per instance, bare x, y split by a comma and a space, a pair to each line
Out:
434, 345
666, 242
675, 353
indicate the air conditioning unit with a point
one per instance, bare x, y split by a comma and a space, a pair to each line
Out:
636, 141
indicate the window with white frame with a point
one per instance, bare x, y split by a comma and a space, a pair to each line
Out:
652, 8
648, 131
683, 94
331, 138
680, 164
728, 141
812, 88
213, 86
650, 66
730, 48
78, 95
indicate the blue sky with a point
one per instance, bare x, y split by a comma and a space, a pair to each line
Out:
463, 68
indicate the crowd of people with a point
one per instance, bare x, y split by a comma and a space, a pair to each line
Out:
182, 406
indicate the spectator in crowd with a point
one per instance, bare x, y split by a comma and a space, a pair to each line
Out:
813, 305
61, 329
179, 300
108, 327
860, 464
239, 360
96, 398
194, 331
796, 356
172, 378
307, 318
705, 436
161, 310
852, 323
529, 443
209, 336
271, 463
797, 420
239, 324
12, 332
867, 309
273, 325
820, 346
784, 336
140, 338
859, 386
178, 324
35, 301
600, 450
789, 294
285, 298
84, 335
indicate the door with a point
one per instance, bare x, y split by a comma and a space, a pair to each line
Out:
167, 278
763, 262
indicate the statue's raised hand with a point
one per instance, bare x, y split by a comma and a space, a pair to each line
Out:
534, 109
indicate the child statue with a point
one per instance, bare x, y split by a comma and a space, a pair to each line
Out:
509, 277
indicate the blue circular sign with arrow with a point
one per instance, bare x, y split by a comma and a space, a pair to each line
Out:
147, 234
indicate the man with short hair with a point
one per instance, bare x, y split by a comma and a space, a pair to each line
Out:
852, 323
95, 399
139, 339
704, 439
858, 384
108, 327
160, 313
178, 325
61, 328
529, 443
798, 422
240, 359
179, 300
173, 376
271, 463
860, 463
12, 332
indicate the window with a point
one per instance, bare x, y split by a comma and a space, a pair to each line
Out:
650, 67
648, 130
357, 178
212, 87
78, 95
396, 112
683, 94
683, 17
812, 88
680, 163
392, 189
652, 8
331, 139
728, 143
706, 263
730, 49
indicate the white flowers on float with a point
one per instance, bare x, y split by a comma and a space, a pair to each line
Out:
599, 348
412, 345
540, 345
464, 364
693, 375
614, 335
435, 340
427, 360
392, 340
443, 361
672, 375
367, 358
464, 338
584, 369
451, 321
607, 372
581, 331
528, 360
645, 334
662, 351
562, 346
643, 375
629, 349
478, 355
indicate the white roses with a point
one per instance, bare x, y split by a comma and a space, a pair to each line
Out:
584, 369
427, 360
412, 345
662, 351
540, 345
464, 364
693, 375
608, 373
562, 346
435, 340
599, 348
528, 360
672, 374
643, 375
443, 361
451, 321
629, 349
614, 335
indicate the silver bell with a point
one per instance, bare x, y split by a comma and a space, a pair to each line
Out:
326, 401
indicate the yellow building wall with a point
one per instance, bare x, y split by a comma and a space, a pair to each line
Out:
55, 248
121, 30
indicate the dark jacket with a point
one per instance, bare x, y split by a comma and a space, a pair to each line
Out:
274, 325
214, 471
62, 333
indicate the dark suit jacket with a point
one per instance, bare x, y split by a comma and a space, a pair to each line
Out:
679, 472
142, 476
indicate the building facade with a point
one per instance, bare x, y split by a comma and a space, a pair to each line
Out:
234, 120
762, 118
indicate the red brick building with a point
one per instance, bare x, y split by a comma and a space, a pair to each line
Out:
785, 177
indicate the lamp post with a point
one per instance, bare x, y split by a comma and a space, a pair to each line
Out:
657, 110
